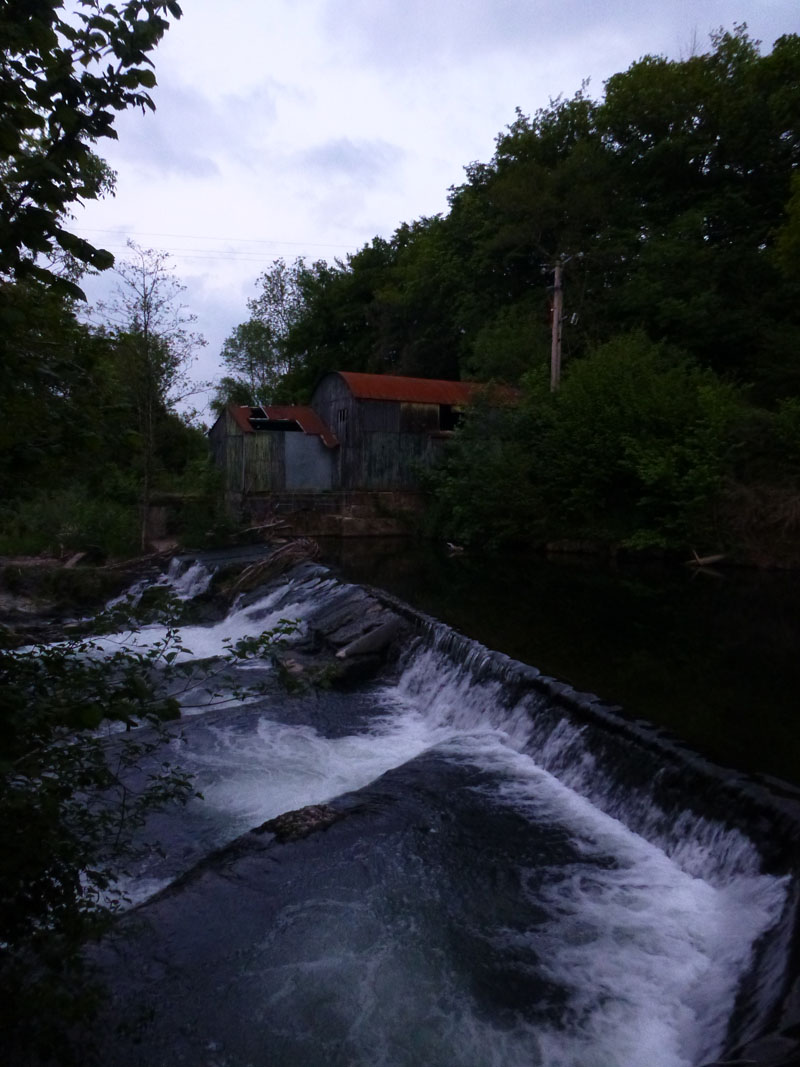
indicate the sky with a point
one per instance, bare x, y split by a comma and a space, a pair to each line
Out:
288, 128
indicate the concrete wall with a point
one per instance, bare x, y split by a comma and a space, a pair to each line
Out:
309, 464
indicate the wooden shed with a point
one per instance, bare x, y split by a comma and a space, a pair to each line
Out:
388, 426
361, 432
273, 449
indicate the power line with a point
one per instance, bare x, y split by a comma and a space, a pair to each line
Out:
211, 237
212, 254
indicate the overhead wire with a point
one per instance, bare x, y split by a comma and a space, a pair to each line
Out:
215, 237
230, 255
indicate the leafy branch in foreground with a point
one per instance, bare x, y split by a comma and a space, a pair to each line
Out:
65, 71
81, 729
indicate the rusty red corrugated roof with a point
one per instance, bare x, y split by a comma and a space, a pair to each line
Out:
241, 416
307, 419
417, 390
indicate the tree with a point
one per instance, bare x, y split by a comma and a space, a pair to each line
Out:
256, 364
635, 447
281, 300
63, 76
155, 349
706, 149
256, 352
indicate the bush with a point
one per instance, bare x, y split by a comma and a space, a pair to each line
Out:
58, 521
71, 803
634, 448
639, 445
482, 492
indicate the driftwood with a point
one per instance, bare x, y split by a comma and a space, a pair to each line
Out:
704, 561
275, 564
139, 561
271, 527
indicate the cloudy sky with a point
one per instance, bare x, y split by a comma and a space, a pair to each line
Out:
306, 127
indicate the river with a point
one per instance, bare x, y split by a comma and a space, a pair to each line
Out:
518, 877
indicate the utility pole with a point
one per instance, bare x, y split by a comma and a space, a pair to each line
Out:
558, 308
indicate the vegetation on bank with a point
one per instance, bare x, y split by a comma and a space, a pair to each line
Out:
90, 438
84, 763
90, 433
672, 204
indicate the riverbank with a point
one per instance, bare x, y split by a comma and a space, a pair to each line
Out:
39, 594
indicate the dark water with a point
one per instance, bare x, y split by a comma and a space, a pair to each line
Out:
715, 659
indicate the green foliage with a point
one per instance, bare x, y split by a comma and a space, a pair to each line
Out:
69, 810
72, 798
64, 75
254, 359
638, 445
506, 348
258, 354
55, 521
673, 204
634, 448
671, 199
77, 425
482, 493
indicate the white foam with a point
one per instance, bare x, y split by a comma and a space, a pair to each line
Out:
281, 767
653, 955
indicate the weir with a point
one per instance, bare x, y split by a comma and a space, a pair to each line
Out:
519, 874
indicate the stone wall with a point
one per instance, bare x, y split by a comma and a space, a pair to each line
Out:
339, 514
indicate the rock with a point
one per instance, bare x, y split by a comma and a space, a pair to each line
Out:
293, 825
355, 670
376, 640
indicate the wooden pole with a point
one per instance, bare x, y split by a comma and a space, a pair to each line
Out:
555, 349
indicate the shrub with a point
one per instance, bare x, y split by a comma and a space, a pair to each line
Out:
60, 520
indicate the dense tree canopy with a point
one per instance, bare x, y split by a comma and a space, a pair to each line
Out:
65, 71
673, 204
671, 199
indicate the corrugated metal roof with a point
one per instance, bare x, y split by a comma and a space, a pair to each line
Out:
241, 416
306, 418
416, 390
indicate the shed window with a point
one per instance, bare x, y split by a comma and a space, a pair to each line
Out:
449, 417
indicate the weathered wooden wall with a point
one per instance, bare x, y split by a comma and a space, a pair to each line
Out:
382, 443
265, 462
382, 446
227, 445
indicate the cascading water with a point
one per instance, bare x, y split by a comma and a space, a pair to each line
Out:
522, 878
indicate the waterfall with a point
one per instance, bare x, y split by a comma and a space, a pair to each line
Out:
635, 903
709, 822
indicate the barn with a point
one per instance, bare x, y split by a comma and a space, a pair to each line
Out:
273, 449
359, 432
387, 426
